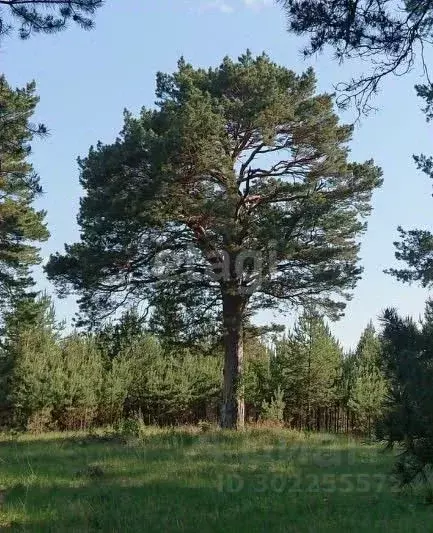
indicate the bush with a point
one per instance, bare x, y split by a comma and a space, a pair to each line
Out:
41, 421
205, 426
131, 427
76, 418
273, 411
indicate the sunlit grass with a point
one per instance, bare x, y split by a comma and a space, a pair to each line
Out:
183, 479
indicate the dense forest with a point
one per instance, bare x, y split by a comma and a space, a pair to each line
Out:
301, 378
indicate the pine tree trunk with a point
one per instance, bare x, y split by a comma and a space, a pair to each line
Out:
233, 409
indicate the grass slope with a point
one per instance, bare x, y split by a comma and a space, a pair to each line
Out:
183, 480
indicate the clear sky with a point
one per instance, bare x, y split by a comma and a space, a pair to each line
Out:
86, 79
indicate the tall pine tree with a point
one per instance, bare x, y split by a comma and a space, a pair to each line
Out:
238, 188
368, 387
307, 368
21, 225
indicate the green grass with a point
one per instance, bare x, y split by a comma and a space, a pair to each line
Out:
183, 480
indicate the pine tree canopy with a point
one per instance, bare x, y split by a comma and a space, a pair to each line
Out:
367, 384
415, 247
388, 35
49, 16
238, 181
368, 347
391, 38
21, 225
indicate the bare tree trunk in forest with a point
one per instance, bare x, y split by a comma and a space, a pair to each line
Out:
233, 408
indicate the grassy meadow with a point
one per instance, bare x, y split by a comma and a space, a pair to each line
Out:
259, 480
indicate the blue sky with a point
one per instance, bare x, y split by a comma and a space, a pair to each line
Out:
86, 79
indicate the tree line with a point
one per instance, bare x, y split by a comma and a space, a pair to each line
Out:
300, 378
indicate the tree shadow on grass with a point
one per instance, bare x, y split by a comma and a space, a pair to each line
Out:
171, 507
179, 482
